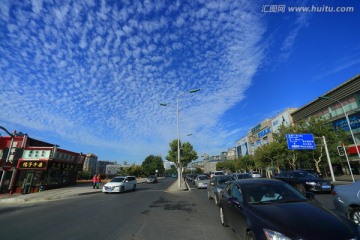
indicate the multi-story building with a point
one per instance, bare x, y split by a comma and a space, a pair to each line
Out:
90, 163
259, 135
262, 133
168, 164
242, 147
341, 106
29, 165
231, 154
101, 166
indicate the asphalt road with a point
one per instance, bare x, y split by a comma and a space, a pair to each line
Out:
147, 214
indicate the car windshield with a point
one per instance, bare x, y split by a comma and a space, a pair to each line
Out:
202, 178
303, 175
244, 175
271, 193
117, 179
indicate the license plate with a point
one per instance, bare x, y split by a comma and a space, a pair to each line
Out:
327, 187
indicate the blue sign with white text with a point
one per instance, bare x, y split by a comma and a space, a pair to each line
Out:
300, 141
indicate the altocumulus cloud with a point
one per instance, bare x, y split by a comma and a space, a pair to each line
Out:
94, 72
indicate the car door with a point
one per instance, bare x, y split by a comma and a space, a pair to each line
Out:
235, 210
127, 183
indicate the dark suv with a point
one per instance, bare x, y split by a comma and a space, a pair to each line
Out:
305, 181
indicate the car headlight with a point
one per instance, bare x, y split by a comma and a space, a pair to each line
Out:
311, 183
273, 235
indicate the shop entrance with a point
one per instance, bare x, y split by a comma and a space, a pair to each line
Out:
26, 188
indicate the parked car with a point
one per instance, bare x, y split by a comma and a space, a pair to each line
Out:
347, 200
216, 173
120, 184
255, 174
152, 179
266, 209
241, 175
190, 177
201, 181
216, 185
305, 181
312, 171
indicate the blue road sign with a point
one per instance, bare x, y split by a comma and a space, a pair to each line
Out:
300, 141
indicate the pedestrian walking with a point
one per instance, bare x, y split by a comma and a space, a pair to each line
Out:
98, 181
94, 181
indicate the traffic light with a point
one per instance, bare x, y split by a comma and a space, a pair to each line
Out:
341, 150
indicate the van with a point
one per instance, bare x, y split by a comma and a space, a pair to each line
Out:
216, 173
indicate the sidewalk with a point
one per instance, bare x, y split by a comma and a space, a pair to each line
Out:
69, 192
343, 179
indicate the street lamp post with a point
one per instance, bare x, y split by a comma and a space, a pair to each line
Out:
347, 120
178, 131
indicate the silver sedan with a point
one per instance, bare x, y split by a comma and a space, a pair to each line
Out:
347, 200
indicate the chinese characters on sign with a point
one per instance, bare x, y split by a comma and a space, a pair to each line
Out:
300, 141
32, 164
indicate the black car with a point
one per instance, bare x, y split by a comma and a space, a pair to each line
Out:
216, 185
241, 175
305, 181
312, 171
265, 209
152, 179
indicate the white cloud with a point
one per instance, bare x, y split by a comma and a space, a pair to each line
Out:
97, 78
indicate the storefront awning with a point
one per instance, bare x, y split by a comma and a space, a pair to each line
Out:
352, 149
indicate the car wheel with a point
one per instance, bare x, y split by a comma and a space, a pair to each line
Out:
209, 197
355, 215
250, 236
134, 188
301, 188
122, 189
222, 218
216, 200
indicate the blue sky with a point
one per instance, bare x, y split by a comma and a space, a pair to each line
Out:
90, 75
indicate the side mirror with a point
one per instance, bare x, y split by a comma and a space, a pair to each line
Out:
234, 201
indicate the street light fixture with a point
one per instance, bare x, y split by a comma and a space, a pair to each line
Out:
178, 130
347, 120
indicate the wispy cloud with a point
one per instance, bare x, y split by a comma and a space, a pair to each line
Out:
94, 73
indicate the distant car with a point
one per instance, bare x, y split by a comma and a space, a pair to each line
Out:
241, 175
216, 173
347, 200
312, 171
120, 184
201, 181
190, 177
305, 181
266, 209
152, 179
255, 174
216, 185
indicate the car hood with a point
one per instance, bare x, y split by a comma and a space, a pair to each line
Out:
113, 184
307, 219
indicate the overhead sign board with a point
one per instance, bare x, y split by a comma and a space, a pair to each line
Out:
300, 141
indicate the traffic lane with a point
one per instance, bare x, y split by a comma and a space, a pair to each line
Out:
91, 216
148, 213
180, 215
